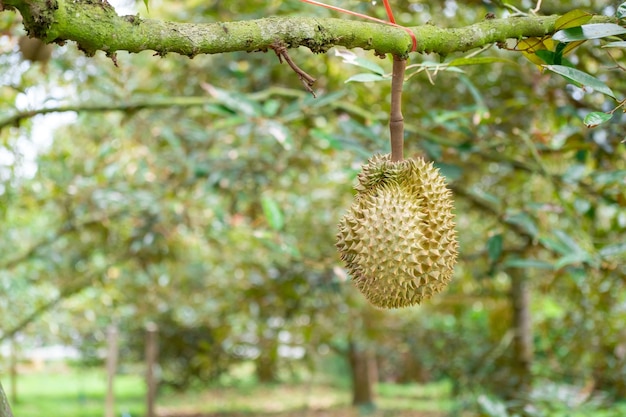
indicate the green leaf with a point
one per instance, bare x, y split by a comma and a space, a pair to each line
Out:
565, 245
273, 214
491, 407
529, 48
574, 173
482, 111
355, 129
592, 31
435, 67
238, 103
575, 258
595, 118
613, 250
279, 132
270, 107
229, 122
332, 141
365, 77
494, 247
527, 263
608, 178
320, 102
491, 198
568, 241
351, 58
326, 139
548, 57
573, 18
478, 60
558, 53
582, 206
450, 171
569, 47
581, 78
554, 245
433, 149
621, 11
146, 3
525, 221
557, 57
616, 44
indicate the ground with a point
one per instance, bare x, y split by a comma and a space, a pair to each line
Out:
331, 412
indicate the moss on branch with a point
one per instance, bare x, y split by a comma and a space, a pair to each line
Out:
95, 26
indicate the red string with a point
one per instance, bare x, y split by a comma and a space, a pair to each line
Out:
389, 14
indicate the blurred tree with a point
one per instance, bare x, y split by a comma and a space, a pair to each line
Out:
211, 205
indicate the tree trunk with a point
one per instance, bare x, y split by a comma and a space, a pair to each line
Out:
5, 410
152, 357
520, 365
412, 370
111, 367
364, 375
267, 362
13, 372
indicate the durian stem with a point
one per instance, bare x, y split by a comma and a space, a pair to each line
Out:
396, 121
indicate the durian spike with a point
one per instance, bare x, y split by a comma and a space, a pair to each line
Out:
396, 121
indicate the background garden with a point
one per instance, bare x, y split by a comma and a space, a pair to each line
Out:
202, 195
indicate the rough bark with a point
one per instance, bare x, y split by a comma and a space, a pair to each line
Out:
95, 26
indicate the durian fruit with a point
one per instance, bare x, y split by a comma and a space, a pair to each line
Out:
398, 238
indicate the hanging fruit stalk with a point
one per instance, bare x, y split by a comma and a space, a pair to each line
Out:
396, 121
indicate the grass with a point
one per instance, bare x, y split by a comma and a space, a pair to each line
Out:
433, 397
287, 398
81, 393
259, 399
75, 393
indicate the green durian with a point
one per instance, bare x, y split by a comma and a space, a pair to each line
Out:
398, 239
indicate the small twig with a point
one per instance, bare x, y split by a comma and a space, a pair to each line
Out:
306, 79
537, 7
113, 57
516, 12
620, 105
617, 64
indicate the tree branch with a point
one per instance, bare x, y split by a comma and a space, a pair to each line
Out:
157, 103
484, 207
95, 26
37, 312
69, 225
77, 286
129, 107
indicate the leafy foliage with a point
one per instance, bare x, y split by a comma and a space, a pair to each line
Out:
217, 219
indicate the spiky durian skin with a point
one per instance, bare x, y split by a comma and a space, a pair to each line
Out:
398, 239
